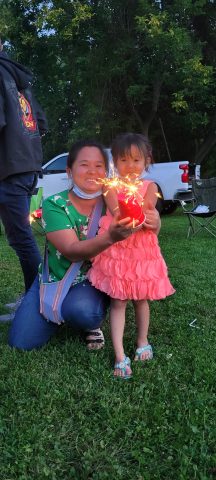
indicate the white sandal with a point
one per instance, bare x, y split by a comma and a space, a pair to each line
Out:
94, 339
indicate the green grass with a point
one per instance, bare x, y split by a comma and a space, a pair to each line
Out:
63, 416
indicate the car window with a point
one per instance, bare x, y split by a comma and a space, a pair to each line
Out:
58, 165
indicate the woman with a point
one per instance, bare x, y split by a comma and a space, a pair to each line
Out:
66, 217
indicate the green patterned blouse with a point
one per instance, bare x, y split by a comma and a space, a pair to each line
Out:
60, 214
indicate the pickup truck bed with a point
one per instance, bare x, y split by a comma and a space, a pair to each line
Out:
168, 177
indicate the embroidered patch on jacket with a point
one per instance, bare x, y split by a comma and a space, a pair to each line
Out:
27, 116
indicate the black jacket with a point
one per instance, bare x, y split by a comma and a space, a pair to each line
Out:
22, 121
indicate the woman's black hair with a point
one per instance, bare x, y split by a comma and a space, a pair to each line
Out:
76, 147
122, 144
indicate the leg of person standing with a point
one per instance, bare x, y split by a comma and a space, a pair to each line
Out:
15, 197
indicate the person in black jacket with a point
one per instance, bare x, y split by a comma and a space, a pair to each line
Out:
22, 123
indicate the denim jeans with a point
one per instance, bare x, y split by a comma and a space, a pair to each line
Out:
83, 308
15, 197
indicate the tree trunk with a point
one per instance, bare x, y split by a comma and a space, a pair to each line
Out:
207, 145
145, 124
155, 101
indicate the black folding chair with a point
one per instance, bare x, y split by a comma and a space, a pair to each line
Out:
203, 215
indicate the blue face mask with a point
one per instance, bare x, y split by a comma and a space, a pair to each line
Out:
87, 196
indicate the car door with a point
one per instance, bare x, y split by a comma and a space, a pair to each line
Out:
55, 178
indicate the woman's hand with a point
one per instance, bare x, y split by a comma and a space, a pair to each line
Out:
120, 229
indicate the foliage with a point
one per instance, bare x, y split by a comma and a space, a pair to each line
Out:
103, 67
63, 416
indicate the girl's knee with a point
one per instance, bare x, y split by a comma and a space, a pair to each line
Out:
118, 304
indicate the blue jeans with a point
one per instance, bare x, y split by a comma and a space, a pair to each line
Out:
83, 308
15, 196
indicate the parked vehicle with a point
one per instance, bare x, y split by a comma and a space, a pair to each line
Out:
54, 178
171, 178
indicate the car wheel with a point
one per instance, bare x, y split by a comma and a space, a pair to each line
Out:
160, 201
169, 207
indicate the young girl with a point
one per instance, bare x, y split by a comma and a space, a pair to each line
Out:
134, 268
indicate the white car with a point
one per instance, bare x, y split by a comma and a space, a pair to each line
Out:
171, 178
54, 177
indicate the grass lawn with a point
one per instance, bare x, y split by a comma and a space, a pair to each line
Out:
63, 416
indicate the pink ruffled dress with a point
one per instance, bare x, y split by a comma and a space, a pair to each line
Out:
132, 269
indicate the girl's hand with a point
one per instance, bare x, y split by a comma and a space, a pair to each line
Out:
152, 220
120, 229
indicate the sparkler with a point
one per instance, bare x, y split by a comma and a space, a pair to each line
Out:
127, 189
37, 214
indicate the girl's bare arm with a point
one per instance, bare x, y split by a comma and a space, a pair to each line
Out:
111, 200
153, 221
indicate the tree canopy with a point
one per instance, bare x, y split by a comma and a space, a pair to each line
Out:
102, 67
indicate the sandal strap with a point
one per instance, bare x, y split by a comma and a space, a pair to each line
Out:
94, 337
94, 333
122, 365
146, 348
94, 340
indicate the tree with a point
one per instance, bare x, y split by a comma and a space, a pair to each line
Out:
103, 67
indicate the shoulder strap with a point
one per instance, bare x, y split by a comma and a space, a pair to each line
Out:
94, 221
74, 268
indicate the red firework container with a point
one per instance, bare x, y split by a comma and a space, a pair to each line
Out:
129, 207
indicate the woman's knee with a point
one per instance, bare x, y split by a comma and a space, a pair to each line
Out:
84, 307
29, 329
81, 316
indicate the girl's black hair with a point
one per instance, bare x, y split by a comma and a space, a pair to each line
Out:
122, 144
76, 147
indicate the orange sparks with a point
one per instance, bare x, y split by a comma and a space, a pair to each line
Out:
129, 184
158, 195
